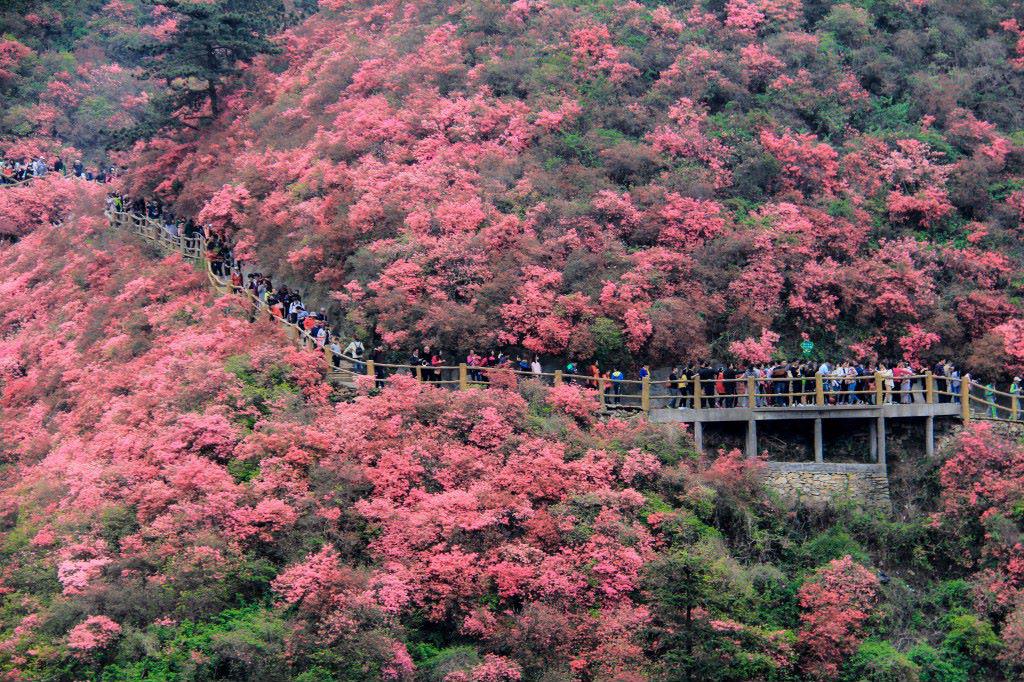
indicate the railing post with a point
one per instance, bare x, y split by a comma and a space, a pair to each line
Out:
600, 390
929, 387
751, 393
329, 357
419, 372
558, 377
645, 394
370, 369
879, 389
463, 377
819, 390
697, 398
965, 399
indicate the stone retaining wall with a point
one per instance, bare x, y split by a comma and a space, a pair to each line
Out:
820, 484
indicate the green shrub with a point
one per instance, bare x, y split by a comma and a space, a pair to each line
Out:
834, 543
933, 667
971, 644
879, 661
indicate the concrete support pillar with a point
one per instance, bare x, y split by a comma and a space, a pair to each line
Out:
819, 450
873, 440
698, 436
751, 449
880, 430
929, 436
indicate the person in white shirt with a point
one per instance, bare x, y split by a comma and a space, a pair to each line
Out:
335, 354
293, 311
356, 351
535, 367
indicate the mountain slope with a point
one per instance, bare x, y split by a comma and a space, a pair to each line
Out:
636, 181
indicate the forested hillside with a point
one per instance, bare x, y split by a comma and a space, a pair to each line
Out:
653, 182
186, 496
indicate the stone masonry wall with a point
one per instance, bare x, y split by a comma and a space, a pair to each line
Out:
819, 484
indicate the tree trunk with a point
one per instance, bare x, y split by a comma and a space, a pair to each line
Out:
211, 91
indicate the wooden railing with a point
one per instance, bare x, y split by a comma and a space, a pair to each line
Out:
761, 393
9, 182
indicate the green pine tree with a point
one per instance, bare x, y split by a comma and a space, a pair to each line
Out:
214, 40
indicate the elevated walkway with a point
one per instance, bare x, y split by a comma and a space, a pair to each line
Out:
803, 398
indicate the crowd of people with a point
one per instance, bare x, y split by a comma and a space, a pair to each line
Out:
19, 170
722, 385
280, 301
795, 382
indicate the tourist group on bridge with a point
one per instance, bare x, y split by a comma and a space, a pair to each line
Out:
694, 385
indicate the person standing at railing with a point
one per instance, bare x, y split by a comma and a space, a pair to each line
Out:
617, 378
570, 371
675, 394
739, 387
825, 371
778, 375
863, 382
750, 376
941, 382
901, 376
954, 382
731, 388
888, 383
1015, 398
416, 361
336, 356
990, 398
594, 372
436, 361
535, 367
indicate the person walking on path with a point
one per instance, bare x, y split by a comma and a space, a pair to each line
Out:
356, 350
1015, 397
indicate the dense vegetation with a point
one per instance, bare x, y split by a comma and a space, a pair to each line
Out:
185, 498
651, 182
